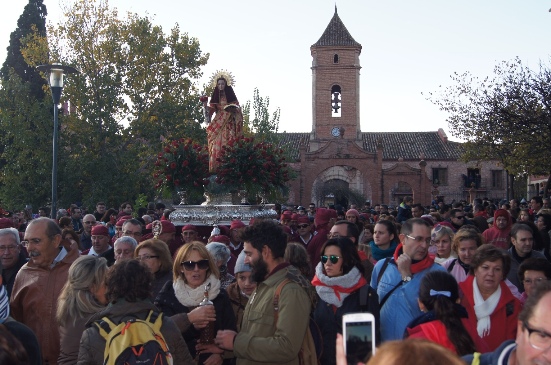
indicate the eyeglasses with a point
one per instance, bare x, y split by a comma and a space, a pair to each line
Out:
538, 339
89, 222
32, 242
459, 216
130, 233
188, 233
190, 265
303, 226
7, 248
146, 257
525, 281
428, 240
335, 235
333, 258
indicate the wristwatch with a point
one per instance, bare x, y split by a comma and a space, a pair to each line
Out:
406, 279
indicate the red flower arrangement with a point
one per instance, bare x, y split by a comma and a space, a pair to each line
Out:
253, 166
182, 165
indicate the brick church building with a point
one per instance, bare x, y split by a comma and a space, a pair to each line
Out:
336, 159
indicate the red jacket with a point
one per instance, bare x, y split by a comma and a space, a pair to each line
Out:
503, 319
435, 331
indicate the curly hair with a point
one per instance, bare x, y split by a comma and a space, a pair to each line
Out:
266, 233
129, 280
488, 252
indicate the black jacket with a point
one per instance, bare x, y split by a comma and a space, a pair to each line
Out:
330, 322
167, 302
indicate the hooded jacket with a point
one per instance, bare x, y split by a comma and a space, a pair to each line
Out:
499, 237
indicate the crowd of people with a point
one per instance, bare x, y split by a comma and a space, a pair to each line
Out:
442, 281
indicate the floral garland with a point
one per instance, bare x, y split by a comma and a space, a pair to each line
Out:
183, 165
253, 166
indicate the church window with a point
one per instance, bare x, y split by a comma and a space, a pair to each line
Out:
440, 176
336, 101
336, 58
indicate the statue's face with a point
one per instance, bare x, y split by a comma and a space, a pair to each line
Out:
221, 84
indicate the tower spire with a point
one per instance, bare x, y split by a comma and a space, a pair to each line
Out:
336, 7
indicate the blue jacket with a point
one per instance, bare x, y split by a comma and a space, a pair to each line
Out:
401, 306
492, 358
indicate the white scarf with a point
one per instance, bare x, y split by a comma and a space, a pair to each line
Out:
327, 294
484, 308
190, 297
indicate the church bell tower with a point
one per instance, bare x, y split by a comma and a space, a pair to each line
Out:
336, 84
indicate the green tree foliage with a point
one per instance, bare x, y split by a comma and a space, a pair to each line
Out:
32, 21
262, 124
136, 88
507, 116
26, 129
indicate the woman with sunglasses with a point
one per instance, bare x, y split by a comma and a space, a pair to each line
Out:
342, 289
193, 270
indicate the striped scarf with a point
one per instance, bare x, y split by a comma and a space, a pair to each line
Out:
4, 304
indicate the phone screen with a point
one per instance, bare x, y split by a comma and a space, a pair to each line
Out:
359, 342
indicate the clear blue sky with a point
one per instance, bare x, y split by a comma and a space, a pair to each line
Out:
409, 47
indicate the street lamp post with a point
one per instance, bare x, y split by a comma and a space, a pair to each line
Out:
56, 71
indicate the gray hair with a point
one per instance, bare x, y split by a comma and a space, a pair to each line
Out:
11, 231
126, 239
219, 252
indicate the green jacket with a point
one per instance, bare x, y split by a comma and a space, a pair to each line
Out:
262, 342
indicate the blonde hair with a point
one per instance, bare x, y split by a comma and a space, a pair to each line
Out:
183, 254
413, 352
76, 299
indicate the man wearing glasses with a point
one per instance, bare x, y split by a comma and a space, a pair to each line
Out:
88, 222
533, 342
304, 229
397, 280
11, 256
39, 282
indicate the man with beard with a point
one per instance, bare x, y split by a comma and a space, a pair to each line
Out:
39, 282
260, 342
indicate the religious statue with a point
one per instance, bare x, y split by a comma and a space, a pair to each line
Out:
227, 124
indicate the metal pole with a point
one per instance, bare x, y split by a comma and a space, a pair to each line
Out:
56, 96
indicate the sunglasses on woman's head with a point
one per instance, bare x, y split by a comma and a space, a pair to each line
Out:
333, 258
190, 265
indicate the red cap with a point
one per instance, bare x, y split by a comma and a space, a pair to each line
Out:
286, 215
188, 227
168, 227
221, 239
294, 217
236, 224
5, 223
100, 230
303, 219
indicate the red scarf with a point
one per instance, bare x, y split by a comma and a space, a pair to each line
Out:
339, 289
416, 266
363, 255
